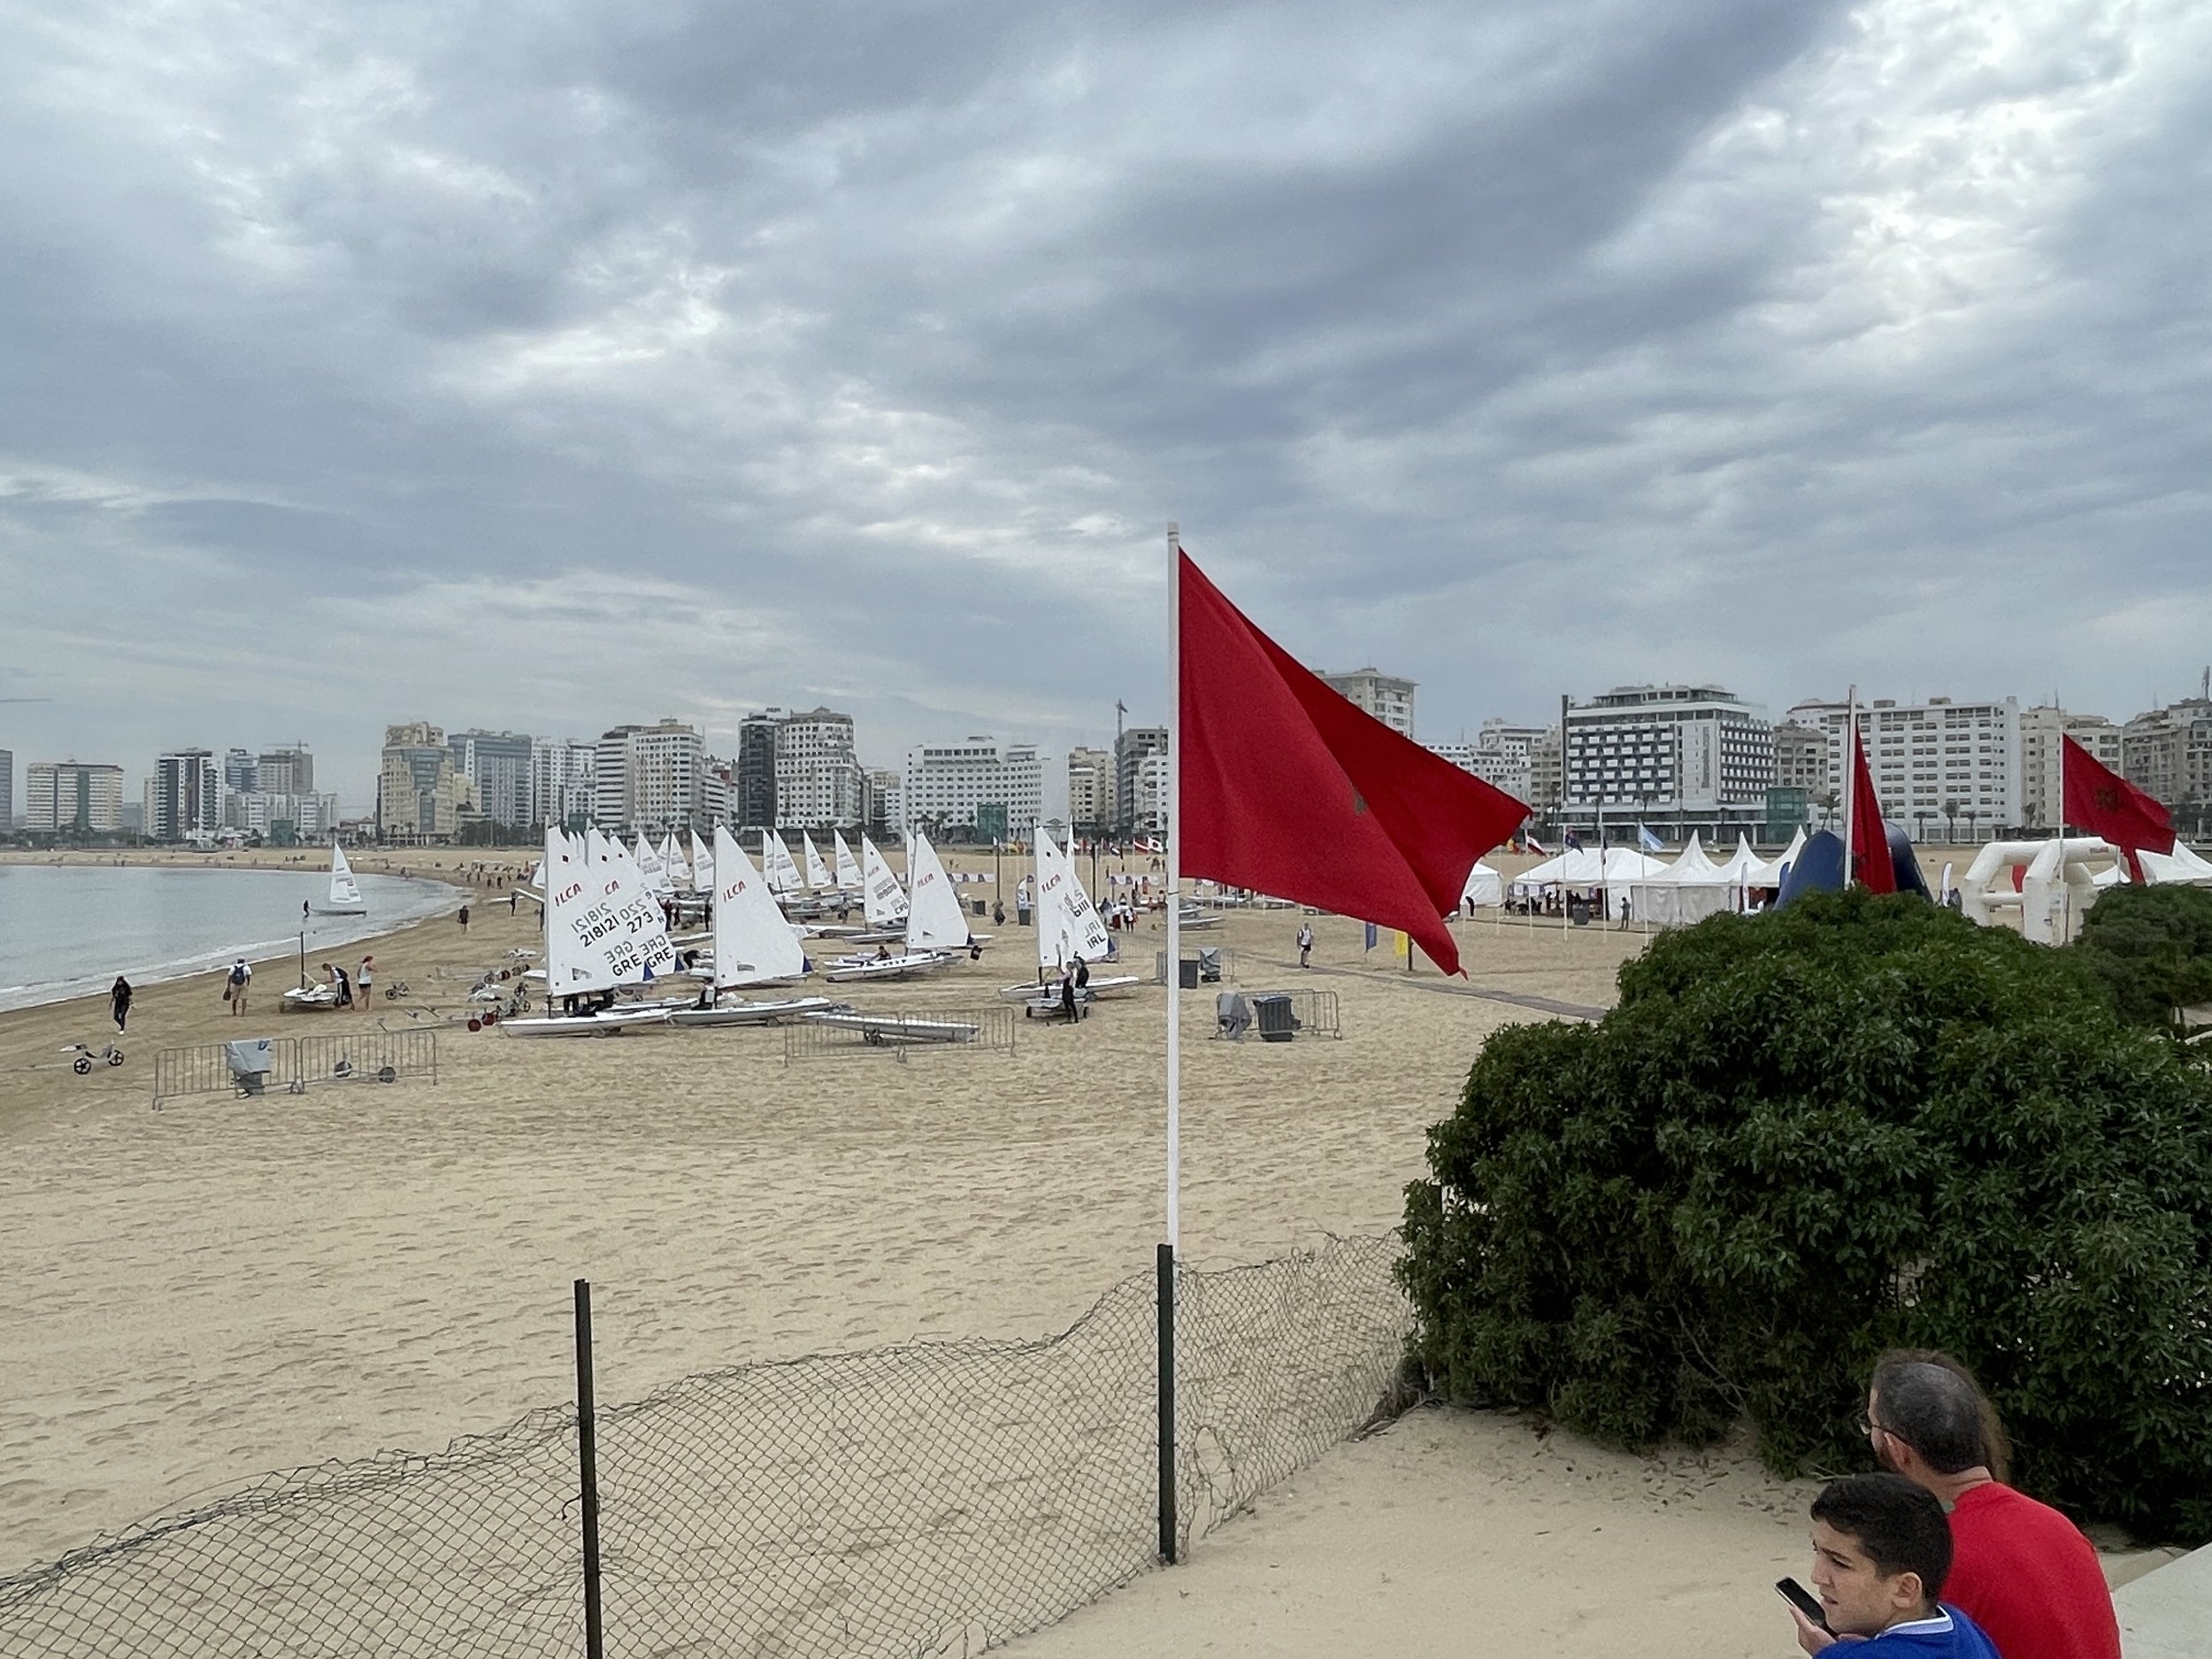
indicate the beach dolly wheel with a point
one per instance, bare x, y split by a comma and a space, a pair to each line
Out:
82, 1065
115, 1055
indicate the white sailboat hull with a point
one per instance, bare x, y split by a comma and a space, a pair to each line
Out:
1101, 985
753, 1013
890, 968
882, 1027
604, 1024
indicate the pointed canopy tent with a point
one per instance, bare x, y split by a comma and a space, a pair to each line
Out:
2179, 865
1688, 890
1742, 864
1578, 868
1485, 887
1769, 873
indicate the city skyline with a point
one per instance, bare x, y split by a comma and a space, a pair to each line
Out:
522, 372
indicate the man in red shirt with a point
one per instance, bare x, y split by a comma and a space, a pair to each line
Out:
2021, 1569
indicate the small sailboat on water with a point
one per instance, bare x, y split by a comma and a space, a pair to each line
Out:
345, 892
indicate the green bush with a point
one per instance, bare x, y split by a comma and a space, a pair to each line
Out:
1806, 1136
2151, 948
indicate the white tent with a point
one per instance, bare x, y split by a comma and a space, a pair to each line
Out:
1688, 890
1484, 886
1578, 868
1769, 873
2181, 864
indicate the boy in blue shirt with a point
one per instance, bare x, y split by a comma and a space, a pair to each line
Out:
1881, 1550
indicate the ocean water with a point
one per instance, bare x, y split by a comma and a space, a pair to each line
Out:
69, 929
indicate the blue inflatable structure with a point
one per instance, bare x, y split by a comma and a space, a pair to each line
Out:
1819, 866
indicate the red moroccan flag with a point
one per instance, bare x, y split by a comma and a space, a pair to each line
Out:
1869, 840
1288, 787
2098, 799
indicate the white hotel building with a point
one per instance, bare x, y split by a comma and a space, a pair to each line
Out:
946, 783
1924, 756
1684, 756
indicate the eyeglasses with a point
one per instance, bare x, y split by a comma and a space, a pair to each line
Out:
1867, 1425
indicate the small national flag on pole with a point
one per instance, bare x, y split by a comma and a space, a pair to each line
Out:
1286, 788
1646, 840
2101, 801
1869, 840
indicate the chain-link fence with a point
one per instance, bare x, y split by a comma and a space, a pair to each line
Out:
929, 1498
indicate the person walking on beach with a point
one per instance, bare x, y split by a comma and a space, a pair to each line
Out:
362, 979
464, 918
2020, 1567
235, 987
119, 994
1305, 944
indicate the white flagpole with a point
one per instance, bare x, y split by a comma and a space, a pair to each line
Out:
1850, 776
1174, 888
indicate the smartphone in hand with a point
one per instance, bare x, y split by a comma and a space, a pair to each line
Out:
1803, 1600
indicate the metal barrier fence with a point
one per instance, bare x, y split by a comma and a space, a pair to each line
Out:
295, 1064
1204, 964
866, 1031
929, 1498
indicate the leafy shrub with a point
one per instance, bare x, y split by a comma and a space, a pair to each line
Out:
1806, 1136
2151, 948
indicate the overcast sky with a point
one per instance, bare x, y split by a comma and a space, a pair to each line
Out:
549, 366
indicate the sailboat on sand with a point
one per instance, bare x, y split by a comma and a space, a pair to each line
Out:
753, 945
1069, 930
936, 931
604, 929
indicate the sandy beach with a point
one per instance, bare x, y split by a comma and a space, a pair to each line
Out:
226, 1287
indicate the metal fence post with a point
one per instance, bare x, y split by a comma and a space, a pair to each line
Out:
587, 1472
1167, 1403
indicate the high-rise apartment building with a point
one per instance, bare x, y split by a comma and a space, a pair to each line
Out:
561, 781
60, 796
184, 797
288, 771
887, 801
420, 792
1148, 794
497, 765
7, 789
1939, 762
651, 778
242, 772
2042, 793
1130, 750
1801, 758
1506, 756
1386, 697
819, 781
1090, 789
2167, 753
951, 783
753, 774
1698, 756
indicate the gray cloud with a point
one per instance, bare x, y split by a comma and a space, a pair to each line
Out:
564, 365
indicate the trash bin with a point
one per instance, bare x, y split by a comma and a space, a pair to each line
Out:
976, 905
1186, 973
1271, 1012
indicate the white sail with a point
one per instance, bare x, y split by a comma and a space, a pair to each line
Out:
775, 864
753, 944
345, 892
1068, 923
647, 861
883, 901
678, 867
701, 864
934, 920
818, 875
602, 927
848, 871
